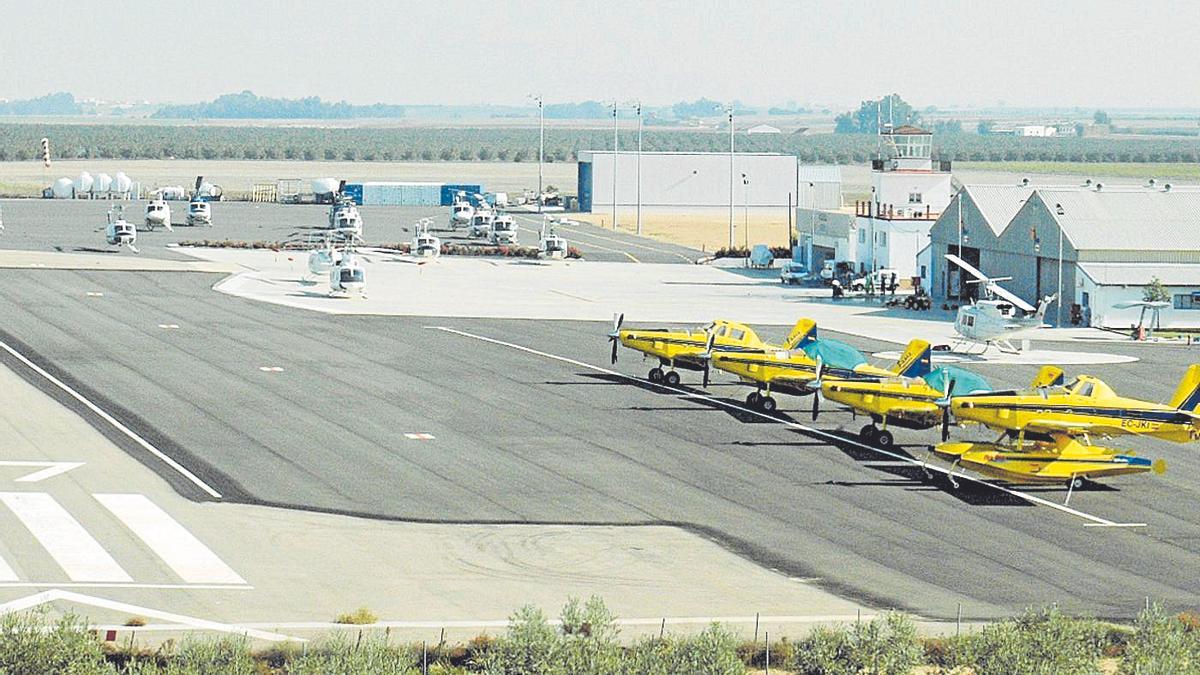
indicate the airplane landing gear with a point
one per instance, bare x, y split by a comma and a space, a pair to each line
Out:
671, 378
767, 404
873, 435
656, 375
752, 399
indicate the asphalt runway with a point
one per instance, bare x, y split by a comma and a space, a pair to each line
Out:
78, 226
277, 406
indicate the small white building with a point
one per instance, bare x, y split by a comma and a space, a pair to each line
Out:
762, 129
1035, 130
819, 186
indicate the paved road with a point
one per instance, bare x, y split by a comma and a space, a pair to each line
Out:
70, 226
521, 437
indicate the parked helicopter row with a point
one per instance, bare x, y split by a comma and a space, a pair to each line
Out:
1045, 431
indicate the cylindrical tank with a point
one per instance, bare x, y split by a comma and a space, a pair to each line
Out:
63, 188
101, 183
121, 183
324, 186
83, 183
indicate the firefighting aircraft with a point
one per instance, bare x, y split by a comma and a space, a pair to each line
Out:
915, 397
684, 348
795, 368
1054, 424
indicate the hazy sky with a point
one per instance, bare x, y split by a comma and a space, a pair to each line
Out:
1065, 52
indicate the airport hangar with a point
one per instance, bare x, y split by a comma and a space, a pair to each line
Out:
686, 182
1115, 240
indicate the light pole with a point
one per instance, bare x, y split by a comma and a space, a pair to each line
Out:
812, 222
541, 145
960, 251
729, 110
638, 108
615, 157
746, 210
1059, 302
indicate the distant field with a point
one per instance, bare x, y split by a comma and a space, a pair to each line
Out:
1157, 170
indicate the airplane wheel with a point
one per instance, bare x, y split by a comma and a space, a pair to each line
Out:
656, 375
867, 433
1075, 483
752, 399
884, 439
671, 378
767, 404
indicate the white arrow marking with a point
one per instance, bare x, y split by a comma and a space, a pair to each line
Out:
29, 601
50, 469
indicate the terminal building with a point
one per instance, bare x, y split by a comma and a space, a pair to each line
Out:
1095, 245
685, 181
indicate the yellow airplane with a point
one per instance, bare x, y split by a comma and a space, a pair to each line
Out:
913, 397
1086, 406
1053, 426
683, 348
794, 370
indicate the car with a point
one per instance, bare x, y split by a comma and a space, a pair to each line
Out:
792, 272
828, 271
878, 278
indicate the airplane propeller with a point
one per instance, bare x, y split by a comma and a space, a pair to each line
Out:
615, 336
707, 355
816, 387
945, 404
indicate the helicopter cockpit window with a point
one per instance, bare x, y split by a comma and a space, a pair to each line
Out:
351, 275
1005, 309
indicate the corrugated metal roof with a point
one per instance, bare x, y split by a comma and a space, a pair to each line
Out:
1133, 220
819, 173
1140, 274
998, 203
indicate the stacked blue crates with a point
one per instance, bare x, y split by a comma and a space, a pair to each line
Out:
404, 193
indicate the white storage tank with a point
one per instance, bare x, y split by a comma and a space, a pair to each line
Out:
324, 186
101, 183
63, 188
83, 184
121, 183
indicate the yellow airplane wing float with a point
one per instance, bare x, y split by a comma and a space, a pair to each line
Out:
1063, 460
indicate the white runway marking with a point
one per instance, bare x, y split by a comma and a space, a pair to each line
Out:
132, 584
95, 294
271, 369
113, 421
49, 469
179, 549
168, 326
1097, 520
419, 437
75, 551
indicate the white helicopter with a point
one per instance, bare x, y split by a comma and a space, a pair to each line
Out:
461, 211
481, 223
119, 231
504, 230
199, 210
424, 244
1001, 316
347, 276
158, 212
550, 245
344, 219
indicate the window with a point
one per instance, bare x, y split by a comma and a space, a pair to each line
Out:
1187, 301
738, 334
914, 198
862, 236
1086, 299
881, 238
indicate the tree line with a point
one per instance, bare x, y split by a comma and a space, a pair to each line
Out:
19, 142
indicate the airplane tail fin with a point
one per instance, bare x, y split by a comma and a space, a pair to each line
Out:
804, 332
1187, 394
916, 361
1048, 376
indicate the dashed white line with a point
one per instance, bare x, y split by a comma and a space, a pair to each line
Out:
1095, 520
195, 480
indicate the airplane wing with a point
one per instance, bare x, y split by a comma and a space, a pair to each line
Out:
1059, 426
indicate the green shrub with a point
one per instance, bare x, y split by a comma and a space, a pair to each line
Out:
343, 654
229, 655
358, 617
884, 645
712, 652
1161, 644
34, 643
1038, 642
